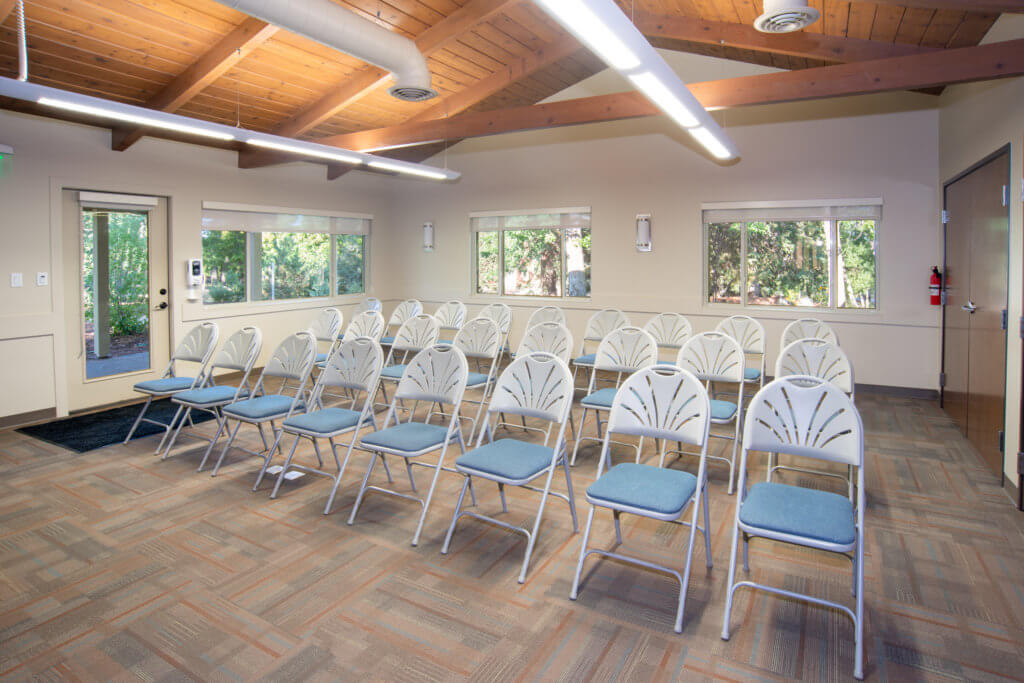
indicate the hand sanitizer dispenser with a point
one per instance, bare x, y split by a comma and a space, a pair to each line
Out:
194, 279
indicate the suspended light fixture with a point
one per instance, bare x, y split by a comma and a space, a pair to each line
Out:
141, 116
602, 27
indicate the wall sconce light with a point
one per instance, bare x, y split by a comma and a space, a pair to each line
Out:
643, 232
428, 236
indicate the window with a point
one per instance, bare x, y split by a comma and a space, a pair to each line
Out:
541, 253
251, 255
805, 256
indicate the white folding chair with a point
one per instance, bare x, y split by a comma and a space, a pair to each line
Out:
480, 341
437, 375
824, 360
501, 314
598, 327
622, 351
808, 417
670, 331
292, 361
751, 337
547, 337
808, 328
547, 314
415, 334
325, 329
370, 303
366, 324
716, 357
197, 347
355, 367
238, 354
668, 403
405, 310
451, 316
536, 385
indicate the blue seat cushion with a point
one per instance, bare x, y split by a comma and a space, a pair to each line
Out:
393, 371
602, 398
409, 437
387, 341
800, 511
752, 374
209, 395
262, 407
585, 359
321, 358
165, 385
722, 410
325, 421
655, 489
446, 342
476, 379
507, 459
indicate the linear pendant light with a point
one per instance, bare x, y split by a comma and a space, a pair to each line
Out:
602, 27
119, 111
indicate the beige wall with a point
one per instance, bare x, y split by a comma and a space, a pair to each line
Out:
975, 120
50, 155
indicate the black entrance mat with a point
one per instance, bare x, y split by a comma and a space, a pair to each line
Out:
87, 432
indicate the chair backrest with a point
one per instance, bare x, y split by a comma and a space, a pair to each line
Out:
747, 331
293, 358
604, 322
355, 364
370, 303
416, 333
366, 324
665, 402
405, 310
713, 356
670, 330
479, 338
808, 328
626, 349
198, 344
240, 351
805, 416
549, 337
535, 384
451, 315
817, 358
326, 325
547, 314
437, 374
499, 313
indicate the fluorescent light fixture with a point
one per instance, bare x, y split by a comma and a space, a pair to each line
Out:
311, 150
592, 31
399, 167
706, 138
111, 113
657, 92
382, 148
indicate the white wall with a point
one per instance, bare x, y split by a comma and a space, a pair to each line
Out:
975, 120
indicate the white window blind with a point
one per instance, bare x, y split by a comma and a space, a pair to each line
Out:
866, 210
537, 219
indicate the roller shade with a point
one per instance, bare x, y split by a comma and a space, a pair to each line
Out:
539, 219
868, 210
253, 221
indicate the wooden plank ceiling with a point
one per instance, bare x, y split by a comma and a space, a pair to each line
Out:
202, 59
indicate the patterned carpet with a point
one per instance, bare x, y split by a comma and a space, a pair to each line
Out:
116, 566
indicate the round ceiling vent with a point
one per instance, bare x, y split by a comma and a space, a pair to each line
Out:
784, 16
412, 93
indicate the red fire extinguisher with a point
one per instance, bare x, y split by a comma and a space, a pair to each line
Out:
935, 288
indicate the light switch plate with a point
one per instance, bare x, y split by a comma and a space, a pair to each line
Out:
42, 279
16, 280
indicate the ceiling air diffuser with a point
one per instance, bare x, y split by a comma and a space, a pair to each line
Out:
784, 16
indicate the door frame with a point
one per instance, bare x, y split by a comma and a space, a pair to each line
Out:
1007, 150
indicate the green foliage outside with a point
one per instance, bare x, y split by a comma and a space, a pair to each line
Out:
724, 253
487, 263
224, 265
293, 265
533, 262
351, 257
857, 262
128, 250
787, 263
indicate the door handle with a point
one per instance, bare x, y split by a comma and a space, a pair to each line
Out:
160, 306
969, 307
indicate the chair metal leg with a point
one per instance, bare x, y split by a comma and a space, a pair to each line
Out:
732, 461
571, 496
287, 464
222, 422
430, 496
576, 446
684, 585
746, 553
408, 469
532, 541
730, 579
135, 424
618, 528
234, 433
269, 456
341, 470
583, 555
501, 494
387, 470
177, 430
170, 427
455, 517
858, 657
707, 528
362, 491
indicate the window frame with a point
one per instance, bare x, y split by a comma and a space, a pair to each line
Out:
832, 230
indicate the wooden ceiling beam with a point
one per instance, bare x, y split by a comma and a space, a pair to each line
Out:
228, 51
796, 44
944, 67
998, 6
6, 7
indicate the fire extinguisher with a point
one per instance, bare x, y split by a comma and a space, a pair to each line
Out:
935, 288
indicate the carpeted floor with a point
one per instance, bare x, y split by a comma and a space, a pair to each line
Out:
115, 565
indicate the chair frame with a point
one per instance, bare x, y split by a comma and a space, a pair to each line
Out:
370, 303
480, 349
200, 380
408, 344
328, 331
410, 387
752, 340
342, 370
549, 337
670, 330
451, 322
802, 446
796, 329
410, 308
667, 413
600, 325
501, 314
357, 326
512, 396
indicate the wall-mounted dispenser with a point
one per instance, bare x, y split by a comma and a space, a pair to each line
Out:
194, 279
643, 232
428, 236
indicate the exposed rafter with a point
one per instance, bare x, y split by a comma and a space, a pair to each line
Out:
944, 67
961, 5
6, 7
797, 44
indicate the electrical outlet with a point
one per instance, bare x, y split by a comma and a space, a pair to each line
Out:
17, 280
